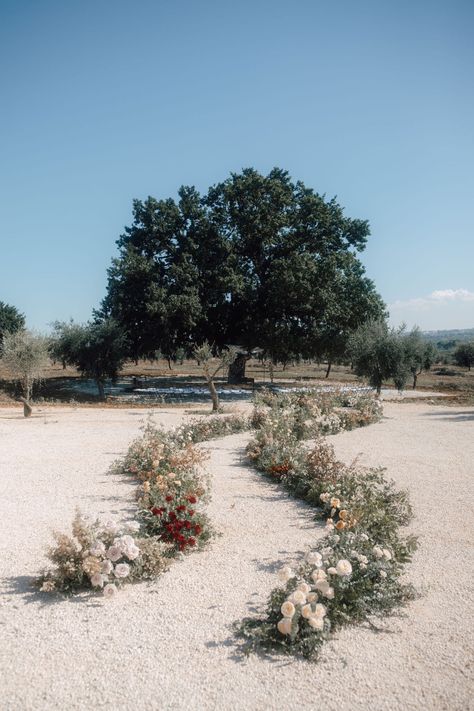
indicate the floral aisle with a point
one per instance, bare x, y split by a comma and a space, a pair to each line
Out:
354, 573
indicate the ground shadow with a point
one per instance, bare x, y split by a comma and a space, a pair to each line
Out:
25, 586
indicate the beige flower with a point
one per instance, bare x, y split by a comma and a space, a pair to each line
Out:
314, 558
304, 587
319, 610
97, 580
312, 597
106, 567
91, 565
317, 623
343, 568
114, 553
307, 611
122, 570
335, 502
329, 593
332, 571
298, 597
284, 625
386, 554
285, 573
110, 590
378, 552
318, 575
288, 609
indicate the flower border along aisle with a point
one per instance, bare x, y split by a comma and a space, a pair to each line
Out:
170, 519
354, 572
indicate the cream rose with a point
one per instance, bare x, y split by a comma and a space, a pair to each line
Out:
317, 623
288, 609
343, 568
122, 570
97, 580
110, 590
284, 626
285, 573
298, 597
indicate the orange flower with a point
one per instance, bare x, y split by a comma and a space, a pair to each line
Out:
340, 525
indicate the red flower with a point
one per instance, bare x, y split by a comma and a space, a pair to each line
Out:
192, 541
168, 498
191, 512
187, 525
181, 508
197, 529
192, 499
156, 512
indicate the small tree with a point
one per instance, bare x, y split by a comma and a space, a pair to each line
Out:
25, 356
420, 355
211, 367
98, 350
377, 353
464, 354
11, 320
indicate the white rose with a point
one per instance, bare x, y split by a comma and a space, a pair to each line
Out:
314, 558
377, 551
325, 496
304, 587
317, 623
312, 597
363, 559
97, 580
329, 593
285, 573
284, 626
318, 575
322, 586
298, 597
332, 571
114, 553
319, 610
343, 568
288, 609
122, 570
307, 611
110, 590
132, 552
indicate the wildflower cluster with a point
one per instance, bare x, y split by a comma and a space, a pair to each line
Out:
101, 556
354, 573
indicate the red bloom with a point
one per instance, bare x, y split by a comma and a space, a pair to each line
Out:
192, 499
192, 541
191, 512
181, 508
168, 498
197, 529
187, 525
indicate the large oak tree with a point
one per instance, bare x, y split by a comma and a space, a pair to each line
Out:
259, 261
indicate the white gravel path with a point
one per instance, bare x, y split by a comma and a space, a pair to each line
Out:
168, 645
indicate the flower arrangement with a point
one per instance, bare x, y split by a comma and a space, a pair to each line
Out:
355, 572
101, 556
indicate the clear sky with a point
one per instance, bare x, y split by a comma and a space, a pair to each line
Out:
103, 101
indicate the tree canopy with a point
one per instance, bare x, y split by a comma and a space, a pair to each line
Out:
258, 261
11, 320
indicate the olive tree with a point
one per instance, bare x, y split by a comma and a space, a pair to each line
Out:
377, 354
211, 366
464, 355
25, 356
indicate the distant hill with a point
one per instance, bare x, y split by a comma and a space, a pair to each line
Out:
447, 340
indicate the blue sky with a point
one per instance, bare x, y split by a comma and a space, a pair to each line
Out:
106, 101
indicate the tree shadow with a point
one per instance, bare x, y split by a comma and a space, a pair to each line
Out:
450, 416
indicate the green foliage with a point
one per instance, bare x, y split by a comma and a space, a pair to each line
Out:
419, 354
378, 354
11, 320
25, 356
257, 261
464, 354
98, 350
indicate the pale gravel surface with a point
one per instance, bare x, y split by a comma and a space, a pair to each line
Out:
168, 645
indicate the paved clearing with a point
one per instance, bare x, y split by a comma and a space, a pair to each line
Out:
168, 645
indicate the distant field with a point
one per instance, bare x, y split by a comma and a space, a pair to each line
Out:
458, 382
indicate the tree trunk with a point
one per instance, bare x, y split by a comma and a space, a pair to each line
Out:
237, 370
328, 369
271, 371
214, 395
26, 407
379, 389
100, 388
169, 363
415, 378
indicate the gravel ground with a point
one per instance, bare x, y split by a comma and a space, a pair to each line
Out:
168, 645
